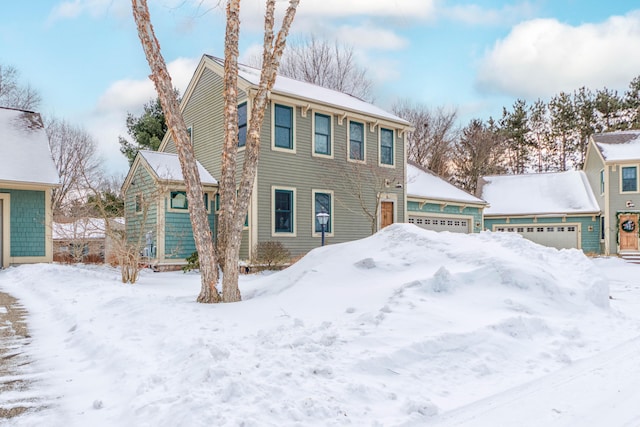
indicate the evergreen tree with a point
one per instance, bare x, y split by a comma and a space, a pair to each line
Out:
514, 127
583, 104
538, 135
632, 103
608, 106
146, 130
563, 130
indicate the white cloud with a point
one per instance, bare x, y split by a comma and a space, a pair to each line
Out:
370, 37
542, 57
107, 121
405, 9
95, 8
476, 15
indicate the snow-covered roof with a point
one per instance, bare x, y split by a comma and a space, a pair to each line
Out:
24, 149
619, 146
167, 166
312, 92
84, 229
538, 194
421, 183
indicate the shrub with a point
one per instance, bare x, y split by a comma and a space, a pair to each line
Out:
193, 263
270, 255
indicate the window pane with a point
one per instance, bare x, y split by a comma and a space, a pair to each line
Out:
242, 125
356, 141
629, 179
178, 200
386, 146
283, 137
284, 211
323, 204
322, 134
283, 126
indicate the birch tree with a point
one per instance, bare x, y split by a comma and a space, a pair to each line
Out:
175, 123
234, 204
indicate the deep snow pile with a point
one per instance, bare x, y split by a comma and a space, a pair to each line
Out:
388, 330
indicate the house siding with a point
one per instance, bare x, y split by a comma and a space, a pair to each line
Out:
592, 168
179, 242
28, 223
618, 202
476, 213
136, 225
589, 238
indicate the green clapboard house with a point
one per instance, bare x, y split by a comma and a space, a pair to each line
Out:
320, 151
27, 177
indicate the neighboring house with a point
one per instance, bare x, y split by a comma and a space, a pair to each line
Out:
86, 240
611, 165
27, 177
553, 209
435, 204
320, 150
156, 209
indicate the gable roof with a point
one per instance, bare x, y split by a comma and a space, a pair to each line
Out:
25, 156
618, 146
538, 194
166, 166
314, 93
425, 184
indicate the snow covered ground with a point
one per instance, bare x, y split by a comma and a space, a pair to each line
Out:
407, 327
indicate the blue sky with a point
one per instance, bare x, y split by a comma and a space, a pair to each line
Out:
85, 58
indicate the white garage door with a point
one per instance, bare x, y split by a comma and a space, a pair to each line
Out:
555, 236
456, 225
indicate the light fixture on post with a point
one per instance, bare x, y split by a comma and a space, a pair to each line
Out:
323, 220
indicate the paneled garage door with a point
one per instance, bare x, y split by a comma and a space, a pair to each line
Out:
555, 236
456, 225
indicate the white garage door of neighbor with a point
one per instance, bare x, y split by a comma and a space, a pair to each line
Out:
555, 236
456, 225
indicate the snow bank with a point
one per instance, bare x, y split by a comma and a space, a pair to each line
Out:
389, 330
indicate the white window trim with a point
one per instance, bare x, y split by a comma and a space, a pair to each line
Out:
393, 148
273, 211
315, 233
293, 127
174, 210
364, 142
637, 178
313, 134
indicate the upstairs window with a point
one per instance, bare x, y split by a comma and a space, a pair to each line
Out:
322, 137
629, 178
283, 118
386, 147
602, 181
356, 141
242, 124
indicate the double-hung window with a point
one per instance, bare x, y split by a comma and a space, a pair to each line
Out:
602, 181
242, 124
283, 126
356, 141
386, 147
322, 203
322, 134
283, 214
629, 178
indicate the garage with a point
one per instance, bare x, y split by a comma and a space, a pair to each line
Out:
562, 236
453, 224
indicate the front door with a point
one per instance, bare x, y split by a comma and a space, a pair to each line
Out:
628, 229
386, 210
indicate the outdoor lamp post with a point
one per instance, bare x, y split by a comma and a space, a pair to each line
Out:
323, 219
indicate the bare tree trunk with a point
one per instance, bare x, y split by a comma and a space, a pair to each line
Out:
232, 217
186, 155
